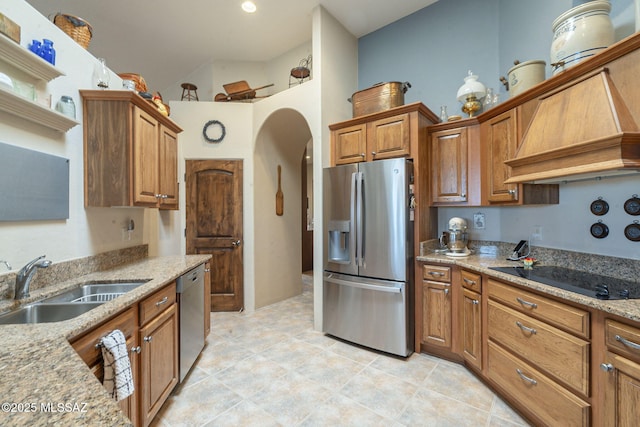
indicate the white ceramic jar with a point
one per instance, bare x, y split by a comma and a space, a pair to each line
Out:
580, 33
525, 75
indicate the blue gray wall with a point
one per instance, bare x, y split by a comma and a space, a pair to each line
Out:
434, 48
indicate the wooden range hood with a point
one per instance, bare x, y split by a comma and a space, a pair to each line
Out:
581, 129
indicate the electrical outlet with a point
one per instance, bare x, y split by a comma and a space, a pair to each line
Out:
536, 235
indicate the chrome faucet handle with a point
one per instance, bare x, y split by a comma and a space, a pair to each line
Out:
24, 276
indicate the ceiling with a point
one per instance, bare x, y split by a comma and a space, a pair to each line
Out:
166, 40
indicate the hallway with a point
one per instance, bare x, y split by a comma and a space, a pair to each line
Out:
270, 368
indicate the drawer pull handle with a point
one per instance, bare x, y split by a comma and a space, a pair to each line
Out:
162, 301
526, 303
469, 282
526, 328
436, 273
628, 343
136, 349
526, 378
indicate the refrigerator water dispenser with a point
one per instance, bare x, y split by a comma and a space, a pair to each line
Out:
339, 241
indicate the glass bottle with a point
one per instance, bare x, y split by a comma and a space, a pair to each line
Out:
443, 113
66, 106
101, 74
35, 47
488, 100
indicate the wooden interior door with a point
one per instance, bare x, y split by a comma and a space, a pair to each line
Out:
214, 226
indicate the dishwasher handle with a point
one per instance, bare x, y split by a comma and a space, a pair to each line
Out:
194, 277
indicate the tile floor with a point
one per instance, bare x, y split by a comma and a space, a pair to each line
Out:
270, 368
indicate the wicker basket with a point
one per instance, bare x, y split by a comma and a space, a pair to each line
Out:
76, 28
141, 85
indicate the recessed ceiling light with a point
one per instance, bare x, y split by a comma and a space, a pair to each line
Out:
249, 6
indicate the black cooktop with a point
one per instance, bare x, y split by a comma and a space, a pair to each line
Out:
593, 285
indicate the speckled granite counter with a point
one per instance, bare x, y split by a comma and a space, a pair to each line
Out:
486, 256
42, 375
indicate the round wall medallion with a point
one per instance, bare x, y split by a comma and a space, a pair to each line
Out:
599, 207
632, 205
214, 131
599, 230
632, 232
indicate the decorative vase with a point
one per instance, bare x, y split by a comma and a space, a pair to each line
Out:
101, 74
580, 33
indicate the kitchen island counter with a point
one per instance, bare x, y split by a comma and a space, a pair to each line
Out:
482, 262
44, 381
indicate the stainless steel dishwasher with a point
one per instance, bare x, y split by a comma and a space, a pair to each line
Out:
190, 293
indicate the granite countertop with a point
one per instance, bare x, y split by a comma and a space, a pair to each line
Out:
481, 262
44, 381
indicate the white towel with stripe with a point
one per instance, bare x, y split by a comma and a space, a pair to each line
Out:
118, 379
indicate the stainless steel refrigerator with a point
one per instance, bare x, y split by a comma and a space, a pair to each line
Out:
368, 240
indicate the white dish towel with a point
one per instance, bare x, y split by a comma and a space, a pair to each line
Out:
118, 379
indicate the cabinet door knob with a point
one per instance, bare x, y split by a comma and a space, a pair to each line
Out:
147, 339
446, 291
373, 153
362, 155
475, 302
135, 349
607, 367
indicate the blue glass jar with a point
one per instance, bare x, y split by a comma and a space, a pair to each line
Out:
35, 47
48, 53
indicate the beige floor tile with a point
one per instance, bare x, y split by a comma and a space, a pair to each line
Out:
250, 375
457, 382
382, 393
245, 414
414, 369
329, 369
430, 408
342, 411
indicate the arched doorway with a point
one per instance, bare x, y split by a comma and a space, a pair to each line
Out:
281, 141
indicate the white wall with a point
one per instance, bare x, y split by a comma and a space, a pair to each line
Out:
87, 231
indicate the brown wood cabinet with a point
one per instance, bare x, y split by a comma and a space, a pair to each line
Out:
621, 373
88, 348
377, 138
436, 307
130, 152
455, 164
159, 362
541, 368
471, 321
151, 330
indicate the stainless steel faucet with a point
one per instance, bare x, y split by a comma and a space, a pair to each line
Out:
24, 276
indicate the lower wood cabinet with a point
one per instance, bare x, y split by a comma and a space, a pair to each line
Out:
471, 318
620, 371
436, 309
159, 362
151, 330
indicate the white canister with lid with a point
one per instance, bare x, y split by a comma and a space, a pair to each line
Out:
580, 33
525, 75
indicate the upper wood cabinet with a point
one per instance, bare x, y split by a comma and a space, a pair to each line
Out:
383, 135
130, 152
500, 137
455, 164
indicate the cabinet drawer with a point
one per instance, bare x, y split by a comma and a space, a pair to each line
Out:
560, 354
155, 304
623, 339
472, 281
85, 346
438, 273
537, 394
566, 317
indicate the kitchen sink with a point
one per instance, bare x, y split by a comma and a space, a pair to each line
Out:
94, 292
44, 313
69, 304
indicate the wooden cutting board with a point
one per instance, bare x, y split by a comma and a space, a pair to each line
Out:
279, 195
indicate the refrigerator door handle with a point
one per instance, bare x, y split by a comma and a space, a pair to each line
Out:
359, 218
353, 219
378, 288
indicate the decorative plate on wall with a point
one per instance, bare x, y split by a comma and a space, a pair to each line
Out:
599, 230
632, 232
599, 207
632, 205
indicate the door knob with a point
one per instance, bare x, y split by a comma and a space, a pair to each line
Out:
607, 367
235, 243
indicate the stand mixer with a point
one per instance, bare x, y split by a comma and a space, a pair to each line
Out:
456, 238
